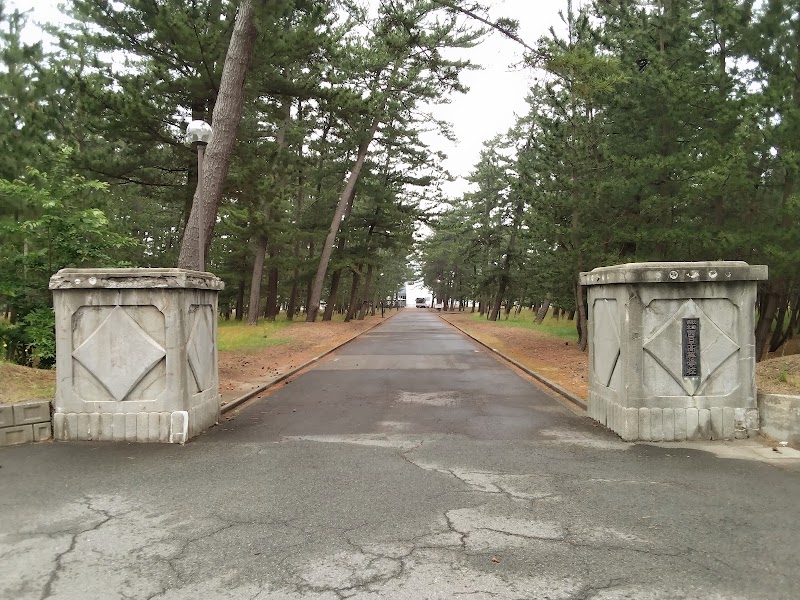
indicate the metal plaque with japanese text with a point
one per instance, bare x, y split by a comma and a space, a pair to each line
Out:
691, 347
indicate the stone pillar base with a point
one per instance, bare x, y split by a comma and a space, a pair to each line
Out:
164, 427
672, 350
136, 354
674, 424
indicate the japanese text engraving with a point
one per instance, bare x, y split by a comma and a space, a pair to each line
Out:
691, 347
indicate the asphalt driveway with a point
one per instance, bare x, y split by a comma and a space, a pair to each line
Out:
410, 464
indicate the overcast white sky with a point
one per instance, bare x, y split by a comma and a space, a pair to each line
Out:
498, 91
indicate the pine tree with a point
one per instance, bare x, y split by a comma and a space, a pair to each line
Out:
402, 66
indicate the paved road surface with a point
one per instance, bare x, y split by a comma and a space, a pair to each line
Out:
409, 465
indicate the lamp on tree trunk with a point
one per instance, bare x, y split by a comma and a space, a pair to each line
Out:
198, 134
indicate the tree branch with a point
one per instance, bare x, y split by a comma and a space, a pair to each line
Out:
497, 27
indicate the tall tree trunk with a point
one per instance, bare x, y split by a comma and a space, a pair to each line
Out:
365, 294
272, 290
768, 309
255, 282
337, 275
780, 319
352, 307
582, 324
311, 253
291, 307
332, 295
520, 302
226, 117
336, 223
498, 300
261, 240
505, 275
320, 180
240, 299
792, 327
542, 313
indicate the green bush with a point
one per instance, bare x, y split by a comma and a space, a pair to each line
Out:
52, 220
13, 342
40, 325
30, 341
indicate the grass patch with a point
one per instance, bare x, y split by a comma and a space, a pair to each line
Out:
235, 335
23, 383
561, 328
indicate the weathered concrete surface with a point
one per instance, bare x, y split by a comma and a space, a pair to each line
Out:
363, 479
25, 422
136, 354
32, 411
639, 386
780, 417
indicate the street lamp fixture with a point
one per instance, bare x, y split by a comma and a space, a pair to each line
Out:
198, 134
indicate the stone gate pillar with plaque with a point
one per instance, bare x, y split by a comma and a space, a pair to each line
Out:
136, 354
672, 349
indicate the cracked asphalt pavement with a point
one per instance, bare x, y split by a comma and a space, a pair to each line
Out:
411, 464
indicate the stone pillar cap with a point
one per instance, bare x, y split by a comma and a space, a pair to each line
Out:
73, 279
675, 272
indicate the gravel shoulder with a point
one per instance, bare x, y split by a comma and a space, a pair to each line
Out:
779, 375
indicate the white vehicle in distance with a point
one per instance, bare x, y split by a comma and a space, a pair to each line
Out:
421, 303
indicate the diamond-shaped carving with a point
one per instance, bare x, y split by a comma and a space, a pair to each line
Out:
606, 345
715, 347
119, 353
200, 349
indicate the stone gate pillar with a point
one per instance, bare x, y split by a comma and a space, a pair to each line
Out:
672, 349
136, 354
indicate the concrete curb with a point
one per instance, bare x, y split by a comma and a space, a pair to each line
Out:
553, 386
23, 422
779, 418
236, 402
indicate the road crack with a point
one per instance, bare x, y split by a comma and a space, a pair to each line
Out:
47, 592
587, 592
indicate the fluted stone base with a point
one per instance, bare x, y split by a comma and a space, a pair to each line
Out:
166, 427
674, 424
